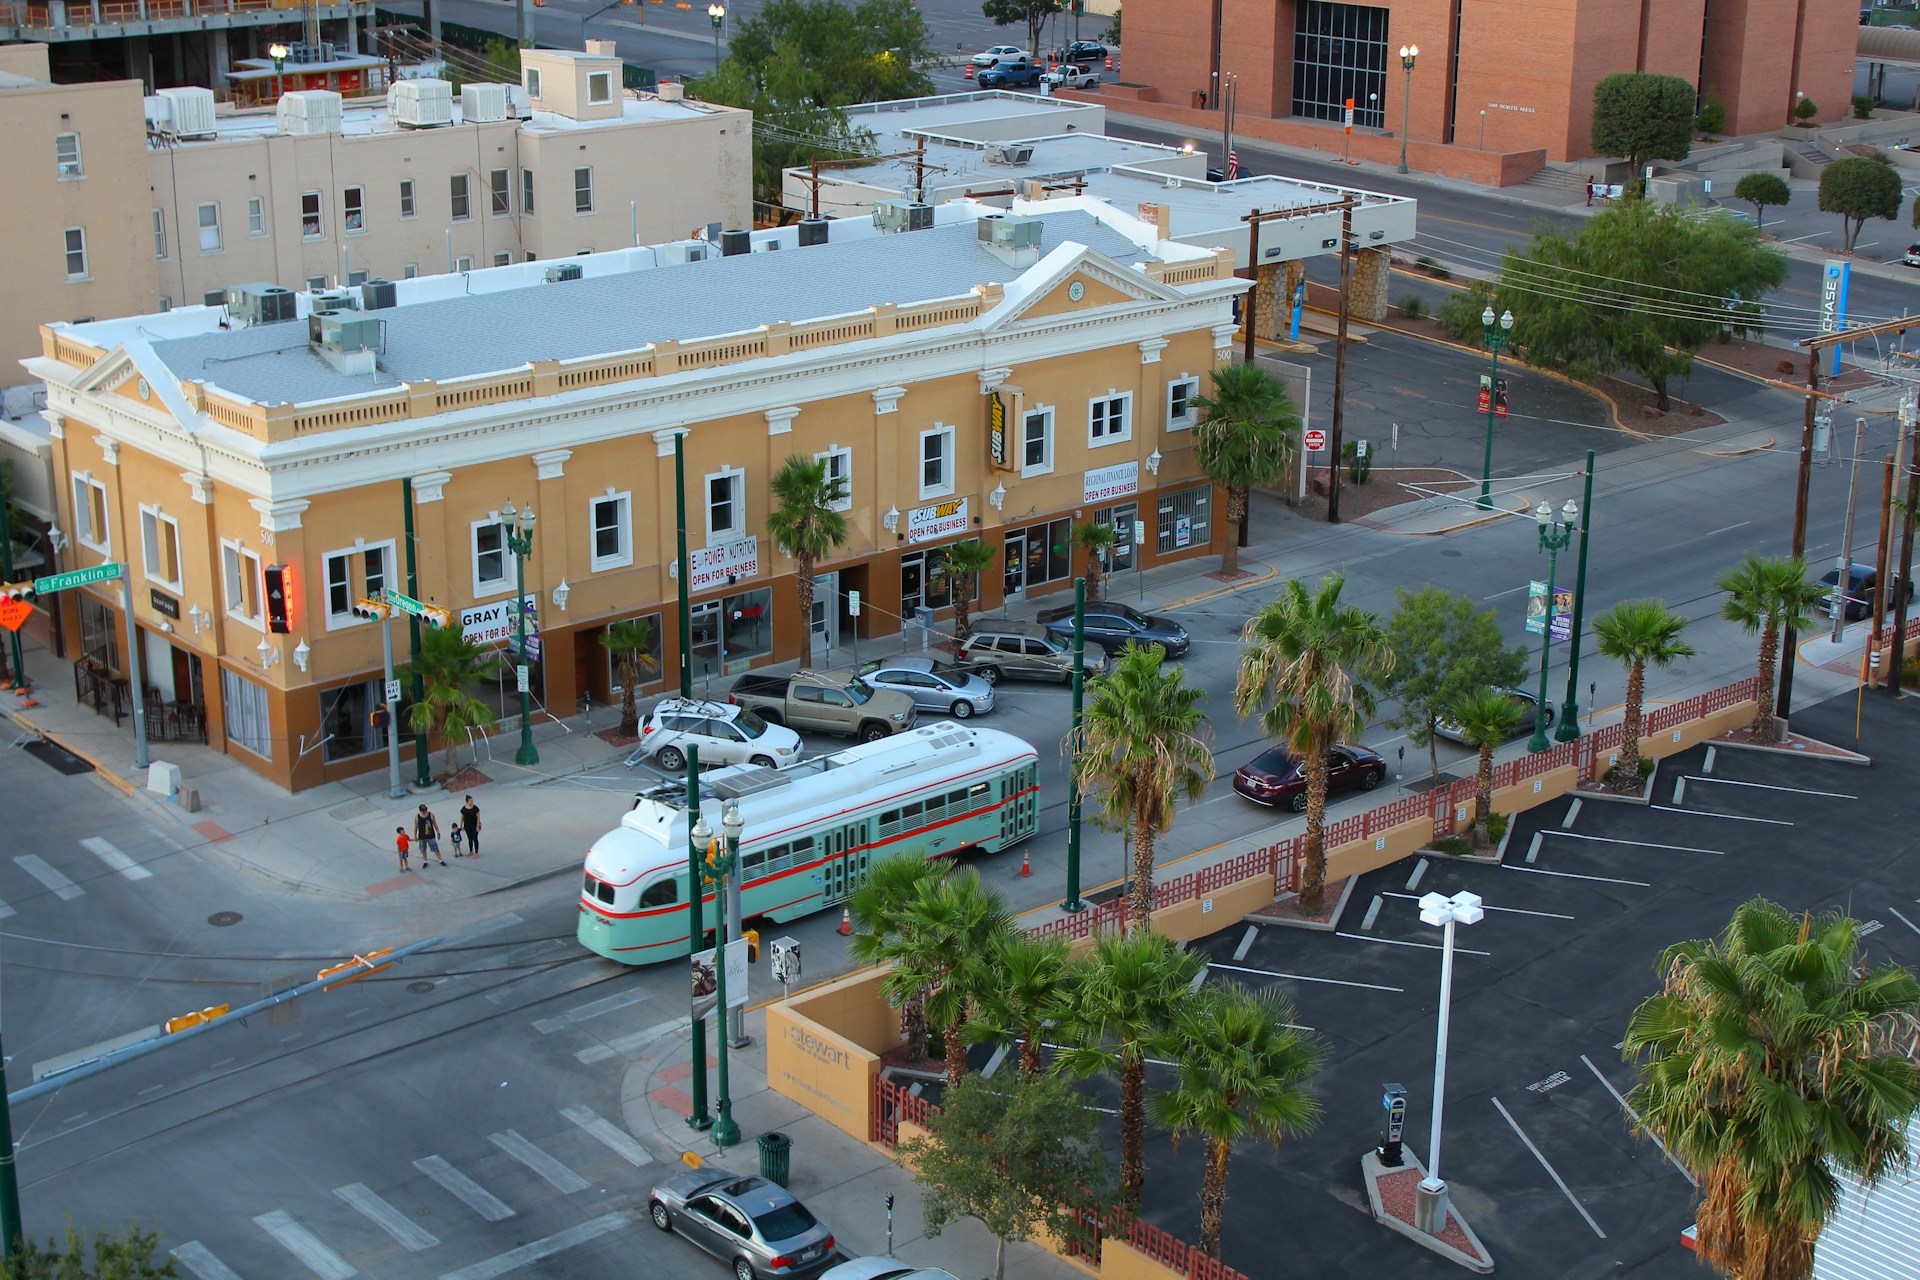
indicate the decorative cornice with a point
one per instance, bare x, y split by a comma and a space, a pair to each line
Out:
552, 464
430, 486
780, 421
56, 425
201, 486
990, 379
1150, 350
887, 399
663, 441
280, 517
109, 449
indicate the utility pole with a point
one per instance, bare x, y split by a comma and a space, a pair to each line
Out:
1340, 364
1843, 578
1880, 570
686, 618
920, 171
1906, 571
1073, 902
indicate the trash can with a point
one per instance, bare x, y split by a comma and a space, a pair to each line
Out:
776, 1150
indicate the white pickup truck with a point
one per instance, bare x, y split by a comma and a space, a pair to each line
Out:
1072, 76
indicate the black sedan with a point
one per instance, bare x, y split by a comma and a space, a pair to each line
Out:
1862, 579
1276, 776
753, 1225
1115, 626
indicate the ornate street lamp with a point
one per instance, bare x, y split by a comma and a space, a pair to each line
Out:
718, 12
278, 52
720, 861
519, 532
1554, 536
1408, 52
1497, 339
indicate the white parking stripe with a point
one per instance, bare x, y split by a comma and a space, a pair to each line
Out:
304, 1245
1730, 817
1573, 811
512, 1260
465, 1189
1399, 942
1768, 786
403, 1229
1301, 977
1638, 844
5, 910
1551, 1173
1903, 920
1574, 875
199, 1259
36, 866
1514, 911
115, 858
624, 1144
627, 1046
563, 1179
1628, 1108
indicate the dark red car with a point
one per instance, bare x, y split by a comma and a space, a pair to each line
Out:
1277, 776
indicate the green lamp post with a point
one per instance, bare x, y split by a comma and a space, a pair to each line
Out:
1554, 536
717, 12
1497, 338
1408, 52
518, 525
720, 862
1569, 727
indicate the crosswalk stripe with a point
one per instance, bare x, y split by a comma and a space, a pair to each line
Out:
115, 858
304, 1245
36, 866
514, 1259
465, 1189
564, 1180
624, 1144
5, 910
386, 1217
200, 1260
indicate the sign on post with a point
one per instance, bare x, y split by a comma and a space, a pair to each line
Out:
393, 693
1552, 617
1314, 440
79, 577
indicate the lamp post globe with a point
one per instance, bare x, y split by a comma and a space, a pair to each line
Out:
1408, 54
278, 52
717, 12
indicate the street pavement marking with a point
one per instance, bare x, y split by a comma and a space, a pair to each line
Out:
115, 859
1573, 811
304, 1245
627, 1045
200, 1260
624, 1144
36, 866
1419, 869
512, 1260
1680, 789
465, 1189
1246, 942
1706, 766
1398, 942
1768, 786
1637, 1123
563, 1179
1551, 1172
1516, 911
1373, 910
389, 1219
1574, 875
1301, 977
1903, 920
1533, 849
1730, 817
1638, 844
5, 910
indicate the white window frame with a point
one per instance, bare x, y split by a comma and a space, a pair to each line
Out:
944, 487
459, 190
503, 258
483, 587
410, 272
74, 241
319, 231
578, 208
1102, 429
1191, 418
622, 502
1045, 413
531, 77
151, 521
599, 88
737, 479
408, 208
68, 168
526, 192
85, 488
159, 235
463, 263
354, 558
349, 198
256, 217
216, 241
839, 462
316, 283
241, 578
500, 193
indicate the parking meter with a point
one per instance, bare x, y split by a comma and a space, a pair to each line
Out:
889, 1224
1394, 1100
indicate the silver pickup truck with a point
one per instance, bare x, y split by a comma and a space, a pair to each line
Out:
825, 702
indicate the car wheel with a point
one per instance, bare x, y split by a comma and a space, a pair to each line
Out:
743, 1270
962, 709
990, 674
872, 733
1372, 779
1299, 802
672, 759
660, 1219
761, 762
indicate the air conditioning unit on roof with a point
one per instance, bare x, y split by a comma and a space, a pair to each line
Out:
420, 104
192, 111
482, 103
252, 304
309, 111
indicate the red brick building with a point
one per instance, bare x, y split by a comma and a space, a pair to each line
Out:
1528, 65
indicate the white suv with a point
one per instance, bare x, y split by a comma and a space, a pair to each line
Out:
725, 734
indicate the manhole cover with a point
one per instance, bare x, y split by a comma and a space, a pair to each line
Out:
420, 987
1452, 554
221, 919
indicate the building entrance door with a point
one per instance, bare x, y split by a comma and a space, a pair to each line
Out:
823, 628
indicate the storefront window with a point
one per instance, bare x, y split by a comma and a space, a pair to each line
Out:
1039, 554
1120, 519
249, 724
925, 582
649, 672
1186, 519
99, 638
346, 721
729, 633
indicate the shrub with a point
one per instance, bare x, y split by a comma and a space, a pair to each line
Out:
1806, 111
1453, 846
1459, 314
1359, 465
1863, 108
1910, 674
1713, 113
1413, 306
1432, 268
1646, 770
1497, 826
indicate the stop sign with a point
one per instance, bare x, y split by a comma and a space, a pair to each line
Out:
1314, 441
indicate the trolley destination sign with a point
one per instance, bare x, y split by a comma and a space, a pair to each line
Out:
78, 577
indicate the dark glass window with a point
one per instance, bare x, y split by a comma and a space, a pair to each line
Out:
1340, 52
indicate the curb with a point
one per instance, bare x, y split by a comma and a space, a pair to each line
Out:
1771, 441
100, 767
1372, 1171
1225, 588
1840, 755
1330, 925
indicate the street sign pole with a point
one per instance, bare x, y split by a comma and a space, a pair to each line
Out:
395, 788
139, 684
422, 779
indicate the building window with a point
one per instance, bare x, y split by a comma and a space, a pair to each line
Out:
1185, 519
532, 80
90, 514
489, 557
500, 191
99, 634
240, 570
463, 263
209, 228
726, 493
244, 704
160, 541
311, 227
346, 725
356, 278
1036, 442
353, 574
612, 524
839, 467
1119, 519
1038, 554
66, 155
256, 216
526, 193
160, 235
410, 272
653, 650
925, 582
502, 258
1181, 394
462, 200
583, 190
1340, 52
353, 209
936, 462
599, 87
406, 197
316, 283
166, 303
76, 239
1110, 419
214, 298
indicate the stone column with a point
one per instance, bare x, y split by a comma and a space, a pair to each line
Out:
1268, 306
1370, 275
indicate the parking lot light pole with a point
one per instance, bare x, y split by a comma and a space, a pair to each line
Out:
1430, 1201
519, 535
1408, 52
1554, 536
1497, 338
1569, 727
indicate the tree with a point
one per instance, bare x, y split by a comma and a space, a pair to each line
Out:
1764, 595
805, 523
1097, 540
1245, 437
631, 644
1013, 13
966, 561
1858, 188
1761, 190
1029, 994
1916, 213
450, 665
1111, 35
1643, 117
879, 910
1635, 633
1138, 748
1640, 287
1443, 651
942, 953
1123, 995
1805, 110
1241, 1071
1018, 1153
128, 1256
1303, 667
1713, 112
1773, 1059
864, 52
1487, 717
795, 114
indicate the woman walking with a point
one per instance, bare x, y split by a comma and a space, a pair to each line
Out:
470, 823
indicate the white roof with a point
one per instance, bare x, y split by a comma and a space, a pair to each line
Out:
1873, 1235
364, 118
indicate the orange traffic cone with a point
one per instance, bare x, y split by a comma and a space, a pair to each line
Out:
1026, 864
969, 71
846, 923
1109, 62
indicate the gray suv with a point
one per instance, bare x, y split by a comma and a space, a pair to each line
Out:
1019, 651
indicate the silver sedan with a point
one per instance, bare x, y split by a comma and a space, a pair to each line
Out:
753, 1225
932, 684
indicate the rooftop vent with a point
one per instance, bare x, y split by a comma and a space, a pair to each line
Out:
1016, 240
735, 242
190, 112
347, 340
1009, 152
563, 271
813, 231
334, 300
252, 304
420, 104
483, 103
378, 295
308, 111
902, 215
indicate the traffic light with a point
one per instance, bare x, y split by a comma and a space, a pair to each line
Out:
380, 716
436, 617
372, 610
21, 591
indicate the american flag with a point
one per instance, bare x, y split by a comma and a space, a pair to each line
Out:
1233, 164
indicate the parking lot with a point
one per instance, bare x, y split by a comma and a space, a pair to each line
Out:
1537, 1146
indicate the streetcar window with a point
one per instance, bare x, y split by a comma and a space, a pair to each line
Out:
661, 893
911, 813
754, 859
956, 797
980, 790
603, 891
803, 848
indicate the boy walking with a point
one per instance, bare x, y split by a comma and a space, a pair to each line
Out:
400, 843
426, 829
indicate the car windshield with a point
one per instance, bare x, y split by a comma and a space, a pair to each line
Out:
946, 671
1131, 615
750, 723
785, 1222
860, 691
1277, 761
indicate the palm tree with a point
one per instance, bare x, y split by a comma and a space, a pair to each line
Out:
1122, 995
804, 524
966, 561
1029, 994
1304, 664
944, 953
1097, 540
1139, 747
449, 666
1241, 1071
1636, 632
1773, 1058
1245, 438
631, 644
879, 912
1764, 595
1486, 717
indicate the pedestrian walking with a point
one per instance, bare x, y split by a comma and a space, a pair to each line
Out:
426, 829
470, 820
400, 842
453, 833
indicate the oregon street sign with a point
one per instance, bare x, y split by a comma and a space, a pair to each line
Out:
78, 577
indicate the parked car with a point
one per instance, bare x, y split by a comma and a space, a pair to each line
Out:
754, 1225
1913, 255
1070, 76
1524, 724
1114, 626
1009, 75
933, 685
1086, 52
825, 701
884, 1269
1861, 580
1276, 776
998, 54
724, 733
1013, 650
